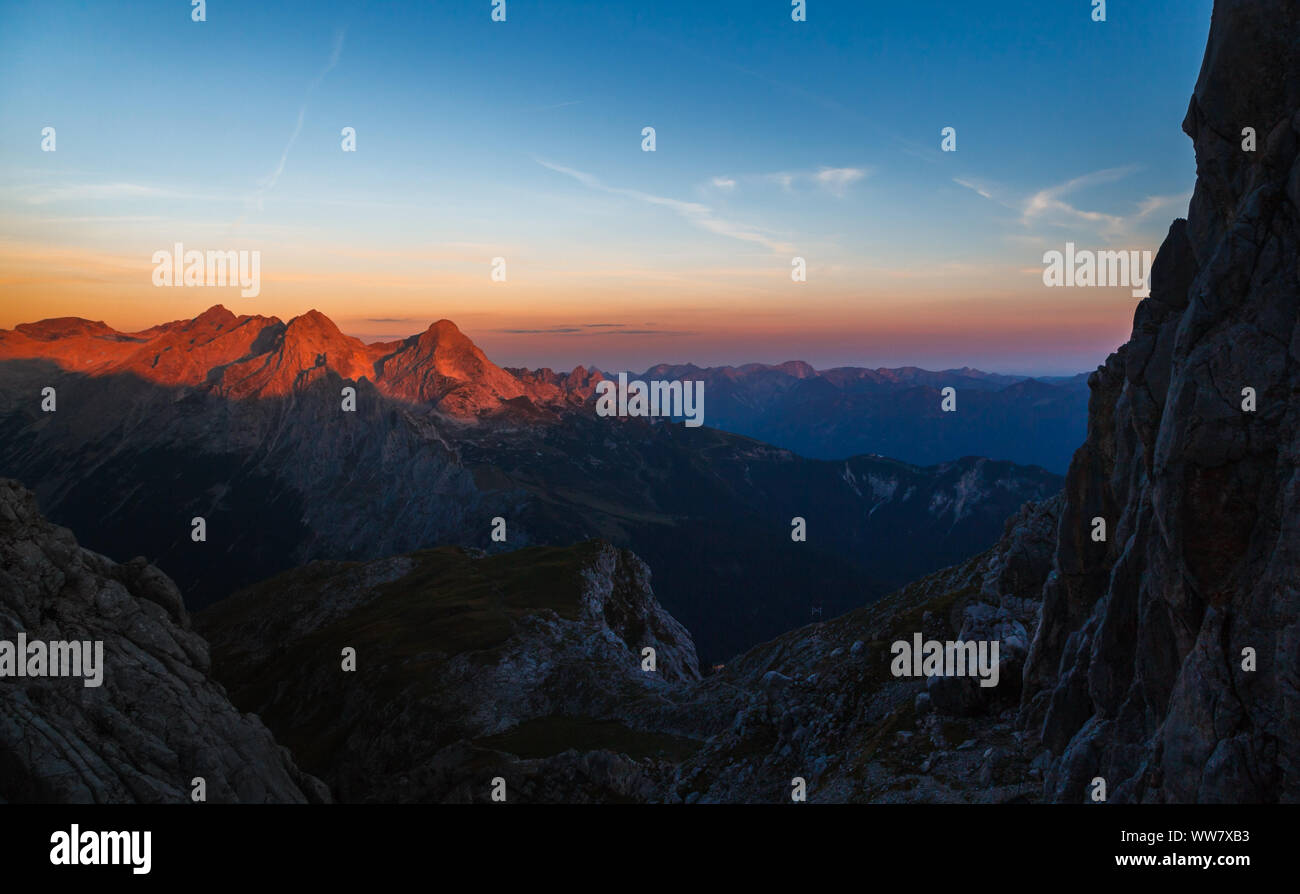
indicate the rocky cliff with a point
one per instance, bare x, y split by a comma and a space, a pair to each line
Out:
527, 665
156, 720
1168, 658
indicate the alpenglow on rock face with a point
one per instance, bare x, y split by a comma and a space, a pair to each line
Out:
155, 722
1138, 672
255, 356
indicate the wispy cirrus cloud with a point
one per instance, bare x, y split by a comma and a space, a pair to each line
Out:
1049, 205
696, 213
975, 188
836, 181
268, 183
592, 329
1151, 204
1049, 208
106, 192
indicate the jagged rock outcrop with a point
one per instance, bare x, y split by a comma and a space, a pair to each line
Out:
546, 386
526, 665
821, 703
155, 722
1137, 674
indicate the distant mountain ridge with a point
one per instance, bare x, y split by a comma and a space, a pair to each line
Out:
849, 411
240, 421
823, 414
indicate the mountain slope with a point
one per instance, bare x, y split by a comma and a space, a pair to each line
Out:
526, 666
830, 414
711, 513
156, 721
469, 667
820, 702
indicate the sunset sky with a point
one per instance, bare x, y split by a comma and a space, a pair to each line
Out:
523, 140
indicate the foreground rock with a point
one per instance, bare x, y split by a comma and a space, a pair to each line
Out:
526, 665
157, 720
1139, 674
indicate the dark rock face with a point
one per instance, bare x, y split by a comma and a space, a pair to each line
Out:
525, 665
155, 722
1136, 674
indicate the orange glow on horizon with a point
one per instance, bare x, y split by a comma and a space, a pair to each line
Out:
688, 317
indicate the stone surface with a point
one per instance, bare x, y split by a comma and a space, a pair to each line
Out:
1136, 673
528, 663
156, 722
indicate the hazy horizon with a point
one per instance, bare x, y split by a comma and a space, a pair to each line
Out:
616, 365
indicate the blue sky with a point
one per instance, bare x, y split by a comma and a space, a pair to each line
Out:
523, 140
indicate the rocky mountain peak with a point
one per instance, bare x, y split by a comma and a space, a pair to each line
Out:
442, 366
797, 368
62, 327
254, 356
215, 317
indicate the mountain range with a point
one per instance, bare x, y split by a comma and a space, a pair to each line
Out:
827, 414
241, 421
847, 411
